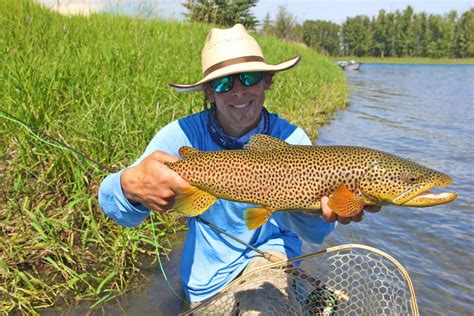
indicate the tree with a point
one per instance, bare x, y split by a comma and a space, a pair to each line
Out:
449, 33
296, 33
398, 36
415, 34
438, 45
405, 33
356, 36
284, 23
323, 36
267, 26
222, 12
425, 34
408, 39
379, 35
464, 42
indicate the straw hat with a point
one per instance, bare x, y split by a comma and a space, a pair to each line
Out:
230, 51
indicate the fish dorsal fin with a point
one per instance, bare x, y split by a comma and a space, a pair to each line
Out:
187, 152
264, 142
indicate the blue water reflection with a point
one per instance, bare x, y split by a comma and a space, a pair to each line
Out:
423, 113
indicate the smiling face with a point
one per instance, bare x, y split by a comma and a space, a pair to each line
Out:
238, 110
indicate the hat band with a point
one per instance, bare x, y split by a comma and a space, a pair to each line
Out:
232, 61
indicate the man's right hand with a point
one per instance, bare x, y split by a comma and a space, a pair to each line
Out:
151, 183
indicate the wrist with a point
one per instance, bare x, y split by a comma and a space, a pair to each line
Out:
127, 183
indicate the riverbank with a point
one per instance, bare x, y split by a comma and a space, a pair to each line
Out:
407, 60
100, 84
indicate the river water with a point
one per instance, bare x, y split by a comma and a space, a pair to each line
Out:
420, 112
423, 113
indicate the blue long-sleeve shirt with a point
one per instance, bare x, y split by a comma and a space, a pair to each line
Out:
211, 260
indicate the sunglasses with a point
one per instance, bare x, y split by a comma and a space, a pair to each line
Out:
225, 84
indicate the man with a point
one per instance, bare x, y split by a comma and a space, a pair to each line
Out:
235, 78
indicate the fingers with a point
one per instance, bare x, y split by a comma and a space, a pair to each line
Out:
175, 181
327, 214
330, 216
343, 220
372, 208
162, 157
160, 204
156, 164
152, 183
358, 217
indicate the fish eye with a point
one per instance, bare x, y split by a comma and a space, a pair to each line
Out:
411, 178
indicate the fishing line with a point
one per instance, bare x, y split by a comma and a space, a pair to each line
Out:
162, 267
52, 141
264, 254
61, 145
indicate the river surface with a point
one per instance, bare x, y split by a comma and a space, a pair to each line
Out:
423, 113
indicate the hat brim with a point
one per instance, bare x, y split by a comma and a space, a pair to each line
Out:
237, 68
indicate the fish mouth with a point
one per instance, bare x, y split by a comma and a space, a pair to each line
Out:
422, 196
431, 199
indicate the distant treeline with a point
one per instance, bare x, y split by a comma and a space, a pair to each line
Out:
389, 34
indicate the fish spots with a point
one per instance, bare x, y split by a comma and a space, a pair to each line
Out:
293, 177
285, 177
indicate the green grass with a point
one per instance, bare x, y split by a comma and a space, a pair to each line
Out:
99, 83
409, 60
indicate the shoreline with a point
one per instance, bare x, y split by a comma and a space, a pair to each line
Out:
407, 60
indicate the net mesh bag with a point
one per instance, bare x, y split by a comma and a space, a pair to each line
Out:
342, 280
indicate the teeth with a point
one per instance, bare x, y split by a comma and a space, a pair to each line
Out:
239, 106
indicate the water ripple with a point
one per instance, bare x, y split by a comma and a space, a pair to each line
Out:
424, 113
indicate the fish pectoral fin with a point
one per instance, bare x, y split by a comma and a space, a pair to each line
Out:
187, 152
256, 217
344, 202
192, 201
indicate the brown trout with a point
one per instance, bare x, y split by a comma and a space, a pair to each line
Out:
277, 176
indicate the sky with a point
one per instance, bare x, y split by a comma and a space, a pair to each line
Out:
338, 10
330, 10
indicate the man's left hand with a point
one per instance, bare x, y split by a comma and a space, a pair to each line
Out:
330, 216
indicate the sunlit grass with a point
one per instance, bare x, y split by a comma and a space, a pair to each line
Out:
99, 84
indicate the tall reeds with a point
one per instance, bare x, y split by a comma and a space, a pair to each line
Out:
99, 84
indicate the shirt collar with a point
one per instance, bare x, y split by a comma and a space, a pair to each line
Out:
229, 142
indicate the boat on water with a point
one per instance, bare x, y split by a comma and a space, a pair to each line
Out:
349, 65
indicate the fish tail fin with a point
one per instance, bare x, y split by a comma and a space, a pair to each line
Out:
256, 217
345, 203
192, 201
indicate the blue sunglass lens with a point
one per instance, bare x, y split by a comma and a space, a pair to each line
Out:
225, 84
250, 78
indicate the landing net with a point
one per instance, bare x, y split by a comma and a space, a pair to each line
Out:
343, 280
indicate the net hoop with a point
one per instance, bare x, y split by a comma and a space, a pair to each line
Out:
334, 249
